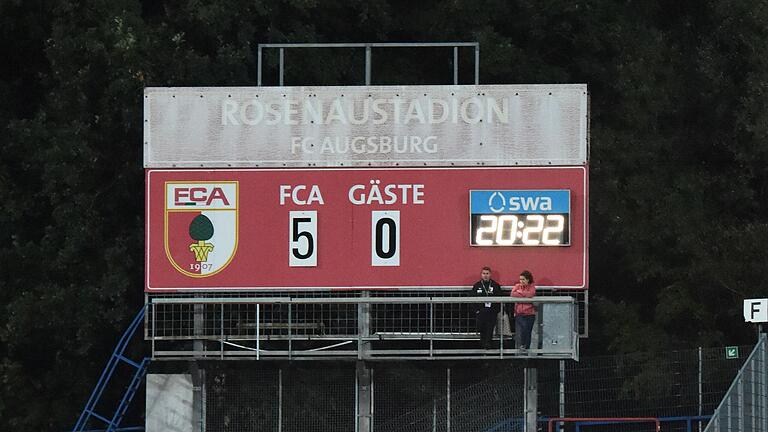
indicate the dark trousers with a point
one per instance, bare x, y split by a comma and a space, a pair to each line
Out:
486, 321
523, 328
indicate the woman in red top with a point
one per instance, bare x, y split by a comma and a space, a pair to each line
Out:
525, 313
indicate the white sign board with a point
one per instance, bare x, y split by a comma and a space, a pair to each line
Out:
169, 403
756, 310
497, 125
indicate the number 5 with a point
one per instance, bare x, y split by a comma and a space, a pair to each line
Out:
302, 239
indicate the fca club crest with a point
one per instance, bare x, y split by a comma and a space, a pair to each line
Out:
201, 226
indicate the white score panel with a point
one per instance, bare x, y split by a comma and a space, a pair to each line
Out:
385, 238
302, 239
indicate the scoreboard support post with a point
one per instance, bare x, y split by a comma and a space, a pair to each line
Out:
363, 375
197, 323
364, 396
364, 326
198, 392
530, 407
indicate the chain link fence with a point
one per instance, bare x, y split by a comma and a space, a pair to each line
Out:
432, 396
294, 398
663, 384
745, 407
472, 397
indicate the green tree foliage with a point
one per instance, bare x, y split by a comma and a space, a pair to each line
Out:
679, 184
679, 164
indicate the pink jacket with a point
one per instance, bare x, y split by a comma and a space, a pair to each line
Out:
524, 291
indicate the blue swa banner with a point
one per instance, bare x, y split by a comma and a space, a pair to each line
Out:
519, 201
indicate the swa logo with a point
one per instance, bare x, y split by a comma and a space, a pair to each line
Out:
498, 203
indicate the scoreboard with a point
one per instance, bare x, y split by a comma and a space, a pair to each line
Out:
365, 188
350, 228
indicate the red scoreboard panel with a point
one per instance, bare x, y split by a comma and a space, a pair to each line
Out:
255, 229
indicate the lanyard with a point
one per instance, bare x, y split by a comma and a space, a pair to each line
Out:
486, 289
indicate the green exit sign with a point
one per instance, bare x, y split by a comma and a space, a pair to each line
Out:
732, 352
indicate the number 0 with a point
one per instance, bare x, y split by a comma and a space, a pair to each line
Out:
385, 238
391, 228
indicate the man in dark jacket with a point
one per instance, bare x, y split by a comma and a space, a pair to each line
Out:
485, 313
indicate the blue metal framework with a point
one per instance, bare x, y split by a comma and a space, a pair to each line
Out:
118, 356
127, 429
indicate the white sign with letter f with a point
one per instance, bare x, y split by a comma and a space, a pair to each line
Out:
756, 310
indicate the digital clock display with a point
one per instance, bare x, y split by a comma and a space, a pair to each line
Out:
520, 217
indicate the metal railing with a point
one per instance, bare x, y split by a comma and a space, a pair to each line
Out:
356, 327
475, 46
744, 407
